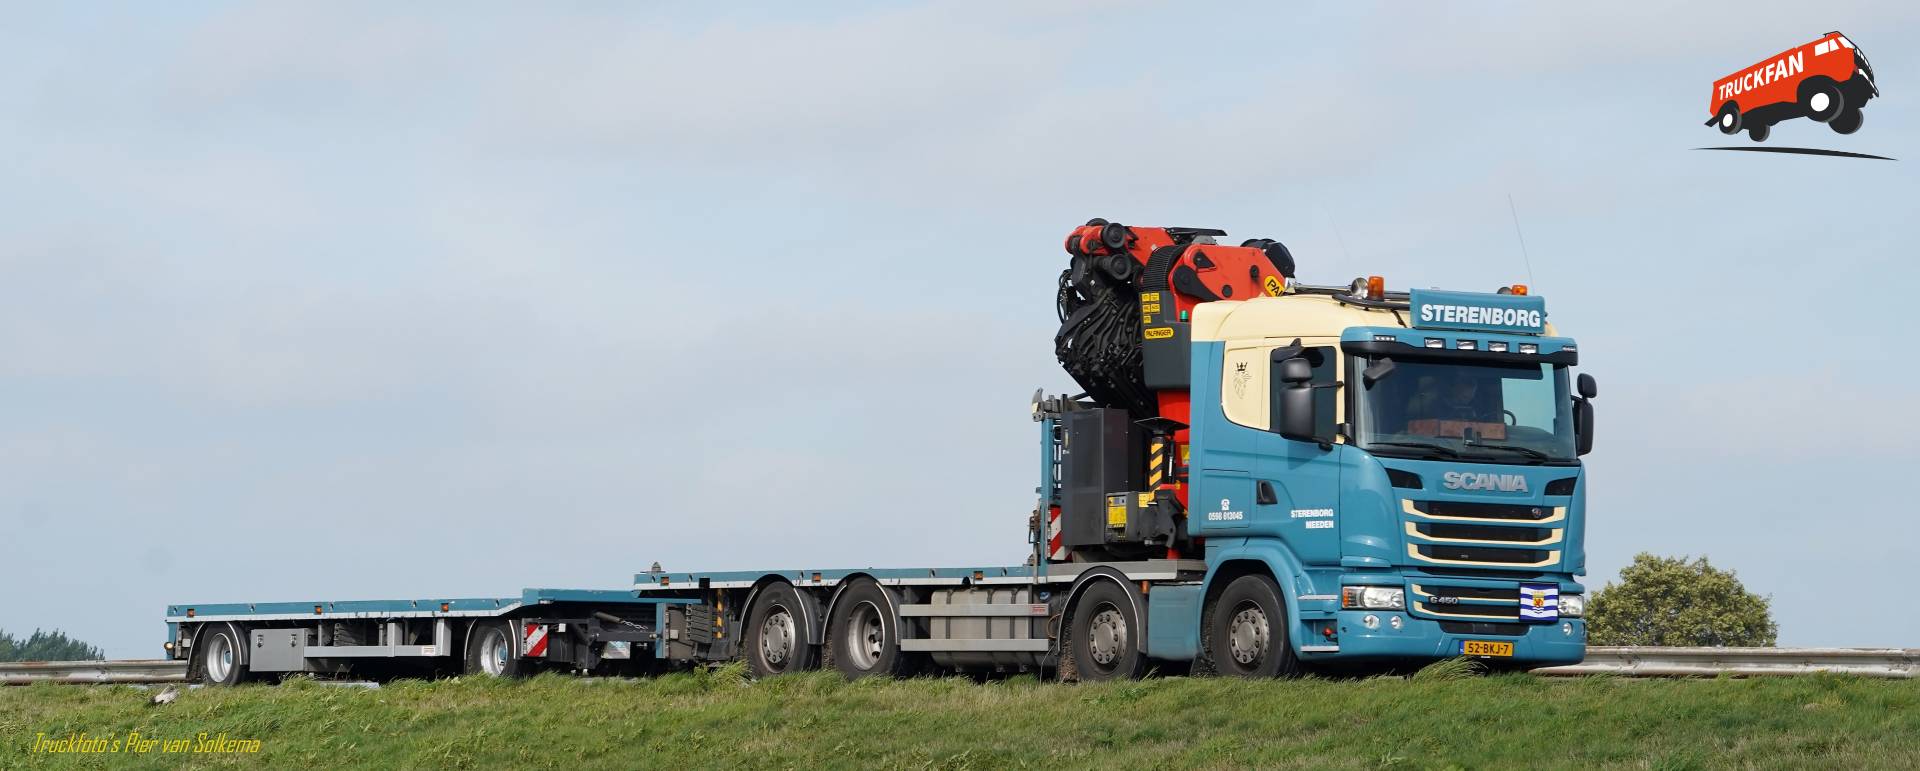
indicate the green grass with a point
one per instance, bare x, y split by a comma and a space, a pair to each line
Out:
719, 719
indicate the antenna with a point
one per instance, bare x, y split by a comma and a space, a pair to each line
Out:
1528, 261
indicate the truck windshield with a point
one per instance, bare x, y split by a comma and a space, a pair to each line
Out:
1463, 410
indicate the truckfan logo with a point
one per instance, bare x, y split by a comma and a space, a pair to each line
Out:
1828, 80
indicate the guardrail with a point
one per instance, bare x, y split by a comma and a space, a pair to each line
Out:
1625, 662
1744, 662
133, 671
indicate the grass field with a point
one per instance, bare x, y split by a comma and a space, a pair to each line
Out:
718, 719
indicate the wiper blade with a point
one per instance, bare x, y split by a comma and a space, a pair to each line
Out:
1527, 451
1439, 448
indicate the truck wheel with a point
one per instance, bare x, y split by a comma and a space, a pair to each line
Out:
777, 633
490, 650
1847, 122
1758, 132
218, 658
1822, 99
1728, 121
1247, 631
1105, 635
864, 634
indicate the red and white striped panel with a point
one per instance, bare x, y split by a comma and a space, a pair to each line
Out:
1055, 551
536, 640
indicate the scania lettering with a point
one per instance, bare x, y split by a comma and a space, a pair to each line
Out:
1247, 482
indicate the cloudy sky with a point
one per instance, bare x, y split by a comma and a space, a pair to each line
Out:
335, 301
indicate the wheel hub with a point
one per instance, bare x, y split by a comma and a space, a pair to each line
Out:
866, 636
1247, 636
776, 638
1107, 636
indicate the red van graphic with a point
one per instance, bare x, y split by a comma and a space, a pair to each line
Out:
1828, 80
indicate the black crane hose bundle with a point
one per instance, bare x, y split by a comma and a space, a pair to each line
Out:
1099, 338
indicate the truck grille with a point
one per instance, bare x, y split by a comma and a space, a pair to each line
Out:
1477, 603
1483, 535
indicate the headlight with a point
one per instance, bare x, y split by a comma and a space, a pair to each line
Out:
1573, 605
1373, 597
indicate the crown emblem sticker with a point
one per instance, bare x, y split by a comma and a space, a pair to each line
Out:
1828, 80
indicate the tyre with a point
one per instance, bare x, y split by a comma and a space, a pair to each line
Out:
776, 641
217, 659
1105, 634
1246, 631
1822, 99
1728, 121
1847, 122
1758, 132
864, 634
490, 650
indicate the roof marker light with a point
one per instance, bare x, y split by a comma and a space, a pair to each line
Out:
1529, 347
1465, 345
1383, 338
1497, 347
1435, 342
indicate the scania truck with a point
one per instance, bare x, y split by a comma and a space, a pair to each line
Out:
1257, 477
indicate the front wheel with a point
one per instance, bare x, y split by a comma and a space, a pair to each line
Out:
1847, 122
1247, 631
1822, 99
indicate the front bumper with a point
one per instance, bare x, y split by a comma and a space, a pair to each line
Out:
1419, 638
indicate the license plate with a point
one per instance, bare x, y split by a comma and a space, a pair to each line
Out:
1486, 648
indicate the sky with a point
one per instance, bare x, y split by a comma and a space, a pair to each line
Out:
364, 300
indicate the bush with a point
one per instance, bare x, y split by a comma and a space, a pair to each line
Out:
1676, 601
46, 646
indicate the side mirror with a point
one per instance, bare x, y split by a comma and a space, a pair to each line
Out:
1297, 419
1296, 371
1585, 385
1583, 422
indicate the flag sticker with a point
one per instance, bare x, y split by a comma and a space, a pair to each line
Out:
1539, 602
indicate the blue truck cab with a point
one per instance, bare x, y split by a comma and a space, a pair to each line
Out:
1406, 472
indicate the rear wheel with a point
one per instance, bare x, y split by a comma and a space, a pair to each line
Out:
776, 640
218, 658
1847, 122
1106, 635
1247, 631
864, 634
1728, 121
490, 650
1758, 132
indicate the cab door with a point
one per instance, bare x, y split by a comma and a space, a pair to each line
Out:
1296, 484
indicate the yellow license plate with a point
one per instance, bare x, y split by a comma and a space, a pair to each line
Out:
1486, 648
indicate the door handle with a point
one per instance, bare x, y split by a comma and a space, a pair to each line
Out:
1264, 494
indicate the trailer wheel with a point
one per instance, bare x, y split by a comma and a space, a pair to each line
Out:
1758, 132
490, 650
1728, 121
776, 640
1104, 635
217, 657
1847, 122
1247, 634
864, 634
1822, 99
